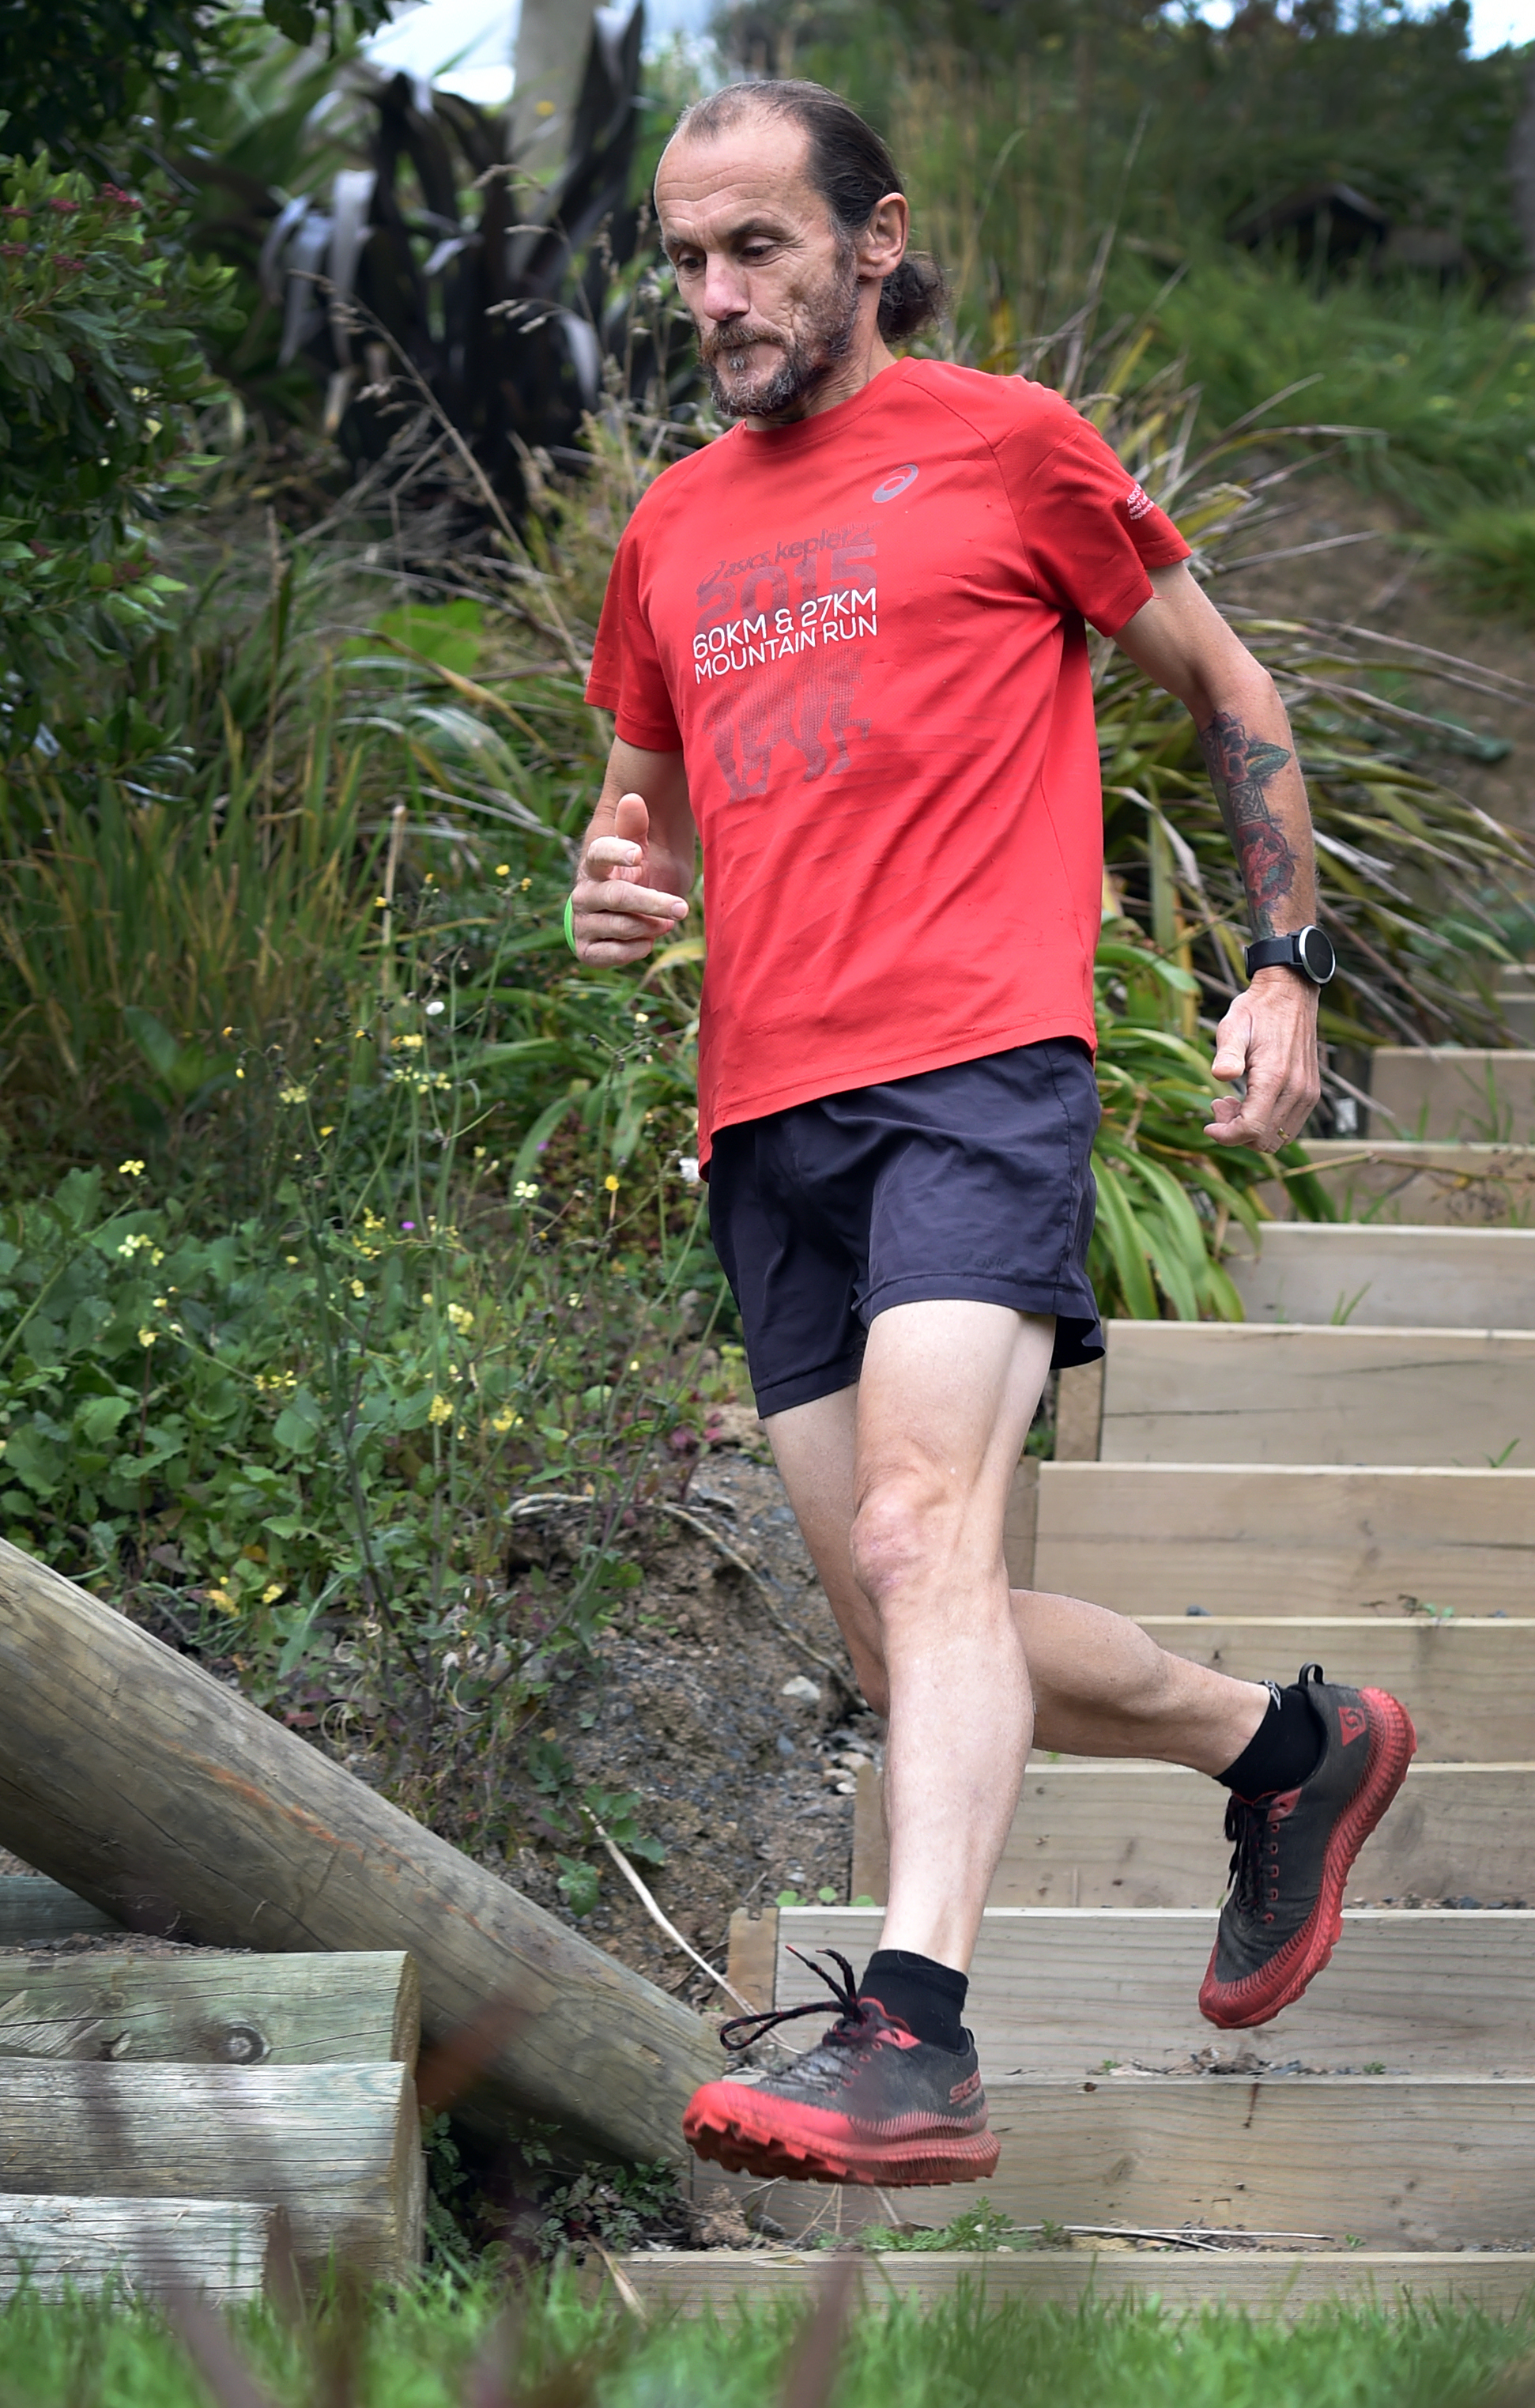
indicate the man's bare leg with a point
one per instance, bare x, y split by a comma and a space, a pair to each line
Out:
901, 1487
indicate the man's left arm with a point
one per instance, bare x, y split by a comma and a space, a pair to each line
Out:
1269, 1036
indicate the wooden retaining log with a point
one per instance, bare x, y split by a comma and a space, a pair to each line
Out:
337, 2145
215, 2248
132, 1776
212, 2009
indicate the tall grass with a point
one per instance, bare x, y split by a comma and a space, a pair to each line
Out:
436, 2349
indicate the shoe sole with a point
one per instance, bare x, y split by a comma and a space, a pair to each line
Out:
1237, 2006
725, 2138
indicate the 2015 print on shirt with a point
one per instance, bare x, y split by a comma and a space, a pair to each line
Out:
781, 643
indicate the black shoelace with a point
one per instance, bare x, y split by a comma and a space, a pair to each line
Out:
849, 2024
1245, 1824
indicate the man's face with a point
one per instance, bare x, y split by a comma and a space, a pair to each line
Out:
771, 281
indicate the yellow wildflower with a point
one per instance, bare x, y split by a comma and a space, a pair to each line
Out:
441, 1411
131, 1170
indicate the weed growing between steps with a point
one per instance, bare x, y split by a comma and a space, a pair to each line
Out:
442, 2349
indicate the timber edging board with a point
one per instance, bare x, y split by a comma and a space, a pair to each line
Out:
35, 1912
1060, 1991
1415, 2162
1421, 1185
52, 2247
1395, 1277
1282, 1538
337, 2145
1150, 1835
208, 2007
1224, 1392
1479, 1093
718, 2282
130, 1774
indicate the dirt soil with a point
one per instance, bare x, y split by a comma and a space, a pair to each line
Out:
1381, 579
702, 1700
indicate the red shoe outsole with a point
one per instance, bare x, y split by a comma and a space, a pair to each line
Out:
1237, 2006
926, 2157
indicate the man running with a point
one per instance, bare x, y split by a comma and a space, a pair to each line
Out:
845, 646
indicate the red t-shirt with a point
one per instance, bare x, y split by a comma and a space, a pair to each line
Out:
865, 634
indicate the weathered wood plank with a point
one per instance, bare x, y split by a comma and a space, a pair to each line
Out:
1149, 1835
1413, 2163
1285, 1539
1470, 1686
337, 2145
211, 2007
133, 1776
1268, 2282
1397, 1277
1382, 1181
151, 2246
1481, 1096
35, 1912
1060, 1992
1213, 1392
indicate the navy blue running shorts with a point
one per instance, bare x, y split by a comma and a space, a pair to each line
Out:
971, 1183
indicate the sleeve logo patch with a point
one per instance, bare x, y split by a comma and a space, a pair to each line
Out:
898, 480
1137, 502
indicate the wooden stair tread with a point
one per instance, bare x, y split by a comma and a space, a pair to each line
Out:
1401, 1276
1277, 1539
35, 1912
1097, 1833
1429, 2161
1481, 1093
1217, 1392
1060, 1990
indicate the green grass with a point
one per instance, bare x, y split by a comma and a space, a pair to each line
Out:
418, 2352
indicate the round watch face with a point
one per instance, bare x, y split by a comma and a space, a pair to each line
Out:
1316, 955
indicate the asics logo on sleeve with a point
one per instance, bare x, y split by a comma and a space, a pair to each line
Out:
895, 482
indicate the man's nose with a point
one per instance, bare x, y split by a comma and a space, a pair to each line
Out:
724, 292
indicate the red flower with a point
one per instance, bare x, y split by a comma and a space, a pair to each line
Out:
13, 249
119, 199
65, 209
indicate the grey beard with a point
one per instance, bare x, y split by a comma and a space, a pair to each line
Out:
822, 344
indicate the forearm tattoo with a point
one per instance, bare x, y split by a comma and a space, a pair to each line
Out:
1241, 768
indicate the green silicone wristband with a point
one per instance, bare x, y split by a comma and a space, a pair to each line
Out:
570, 922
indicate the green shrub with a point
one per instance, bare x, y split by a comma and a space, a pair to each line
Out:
1488, 556
99, 365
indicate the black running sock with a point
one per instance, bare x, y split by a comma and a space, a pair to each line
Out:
1283, 1751
928, 1998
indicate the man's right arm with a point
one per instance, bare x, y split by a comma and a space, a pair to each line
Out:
639, 859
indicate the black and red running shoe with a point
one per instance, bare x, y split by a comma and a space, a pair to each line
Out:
1292, 1853
870, 2103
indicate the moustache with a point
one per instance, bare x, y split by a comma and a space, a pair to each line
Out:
737, 339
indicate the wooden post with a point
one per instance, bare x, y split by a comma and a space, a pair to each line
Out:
52, 2247
206, 2008
553, 37
134, 1777
337, 2145
36, 1913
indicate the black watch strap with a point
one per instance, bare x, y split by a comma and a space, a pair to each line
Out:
1307, 950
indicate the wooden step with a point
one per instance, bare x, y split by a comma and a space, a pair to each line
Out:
216, 2247
1483, 1095
1214, 1392
37, 1913
1382, 1179
1264, 2282
1470, 1686
337, 2145
211, 2007
1101, 1834
1417, 2162
1397, 1278
1280, 1539
1058, 1992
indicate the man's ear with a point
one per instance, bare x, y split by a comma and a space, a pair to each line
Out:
881, 245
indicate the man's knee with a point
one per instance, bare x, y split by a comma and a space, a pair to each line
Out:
907, 1531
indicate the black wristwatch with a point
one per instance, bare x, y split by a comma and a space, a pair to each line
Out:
1306, 950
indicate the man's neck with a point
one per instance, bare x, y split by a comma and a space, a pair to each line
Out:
867, 361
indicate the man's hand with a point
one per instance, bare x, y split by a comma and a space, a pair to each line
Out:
1268, 1037
618, 916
